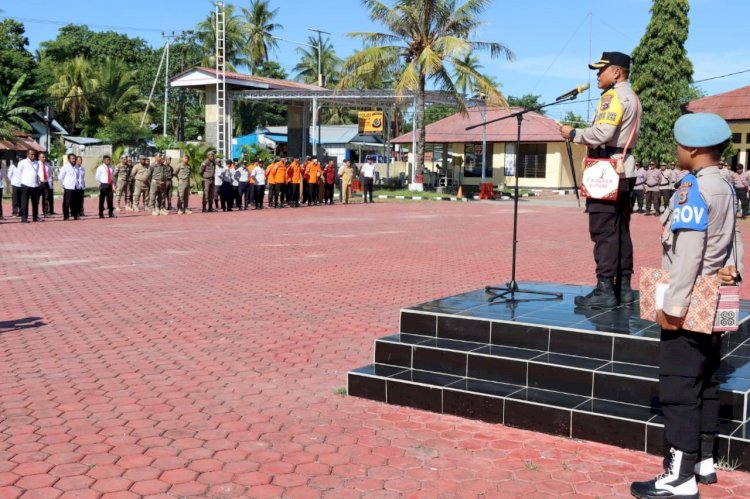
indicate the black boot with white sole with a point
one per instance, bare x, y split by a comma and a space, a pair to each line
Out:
678, 479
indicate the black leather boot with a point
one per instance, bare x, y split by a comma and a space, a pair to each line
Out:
601, 298
678, 479
626, 294
705, 471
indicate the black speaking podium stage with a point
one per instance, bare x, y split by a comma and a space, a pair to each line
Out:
546, 366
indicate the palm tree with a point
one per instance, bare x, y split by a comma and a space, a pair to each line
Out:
431, 36
118, 92
74, 88
12, 113
464, 81
307, 67
259, 27
236, 39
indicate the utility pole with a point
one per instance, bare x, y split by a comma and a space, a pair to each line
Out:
321, 79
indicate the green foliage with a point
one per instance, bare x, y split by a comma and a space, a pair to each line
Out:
730, 152
73, 89
251, 115
436, 112
13, 115
15, 59
573, 119
528, 101
259, 26
465, 83
79, 41
256, 152
164, 142
662, 75
433, 38
235, 30
123, 130
307, 67
116, 91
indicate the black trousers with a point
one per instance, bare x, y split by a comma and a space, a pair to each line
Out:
258, 195
652, 201
226, 195
46, 195
244, 195
313, 194
276, 195
665, 197
29, 194
67, 203
15, 193
1, 200
295, 194
368, 188
743, 199
329, 194
688, 387
106, 194
609, 228
72, 203
305, 191
638, 197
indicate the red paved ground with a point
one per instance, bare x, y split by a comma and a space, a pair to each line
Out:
201, 355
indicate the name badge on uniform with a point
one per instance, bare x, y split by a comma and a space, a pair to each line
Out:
690, 210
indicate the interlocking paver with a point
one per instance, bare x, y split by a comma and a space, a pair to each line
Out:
149, 383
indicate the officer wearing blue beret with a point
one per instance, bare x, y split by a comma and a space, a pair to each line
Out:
699, 238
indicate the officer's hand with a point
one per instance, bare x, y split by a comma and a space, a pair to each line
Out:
565, 131
667, 321
728, 275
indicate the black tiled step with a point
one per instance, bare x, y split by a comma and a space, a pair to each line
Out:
625, 425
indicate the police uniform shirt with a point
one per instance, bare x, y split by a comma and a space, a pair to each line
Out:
28, 172
617, 115
640, 179
653, 177
259, 174
739, 180
219, 175
699, 235
664, 180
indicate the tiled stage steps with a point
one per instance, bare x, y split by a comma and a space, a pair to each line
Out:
584, 384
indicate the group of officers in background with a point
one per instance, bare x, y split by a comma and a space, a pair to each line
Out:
655, 185
149, 185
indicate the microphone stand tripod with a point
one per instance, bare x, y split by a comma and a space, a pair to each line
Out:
507, 293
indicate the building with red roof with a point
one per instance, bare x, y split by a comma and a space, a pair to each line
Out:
733, 106
454, 154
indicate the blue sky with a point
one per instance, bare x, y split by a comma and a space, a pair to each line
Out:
553, 40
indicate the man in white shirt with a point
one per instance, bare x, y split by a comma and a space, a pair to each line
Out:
259, 175
46, 192
28, 171
69, 180
14, 177
368, 173
105, 175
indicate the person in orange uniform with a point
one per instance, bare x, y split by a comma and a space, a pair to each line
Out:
305, 183
293, 176
279, 177
270, 181
313, 173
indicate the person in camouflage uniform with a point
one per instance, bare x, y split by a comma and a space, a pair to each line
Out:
141, 174
122, 182
159, 174
208, 169
130, 188
169, 186
183, 174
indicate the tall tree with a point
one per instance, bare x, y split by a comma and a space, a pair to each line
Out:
307, 67
236, 39
662, 75
13, 114
432, 36
528, 101
117, 92
464, 81
15, 59
73, 90
259, 28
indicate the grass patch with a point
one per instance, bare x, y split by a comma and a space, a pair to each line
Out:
725, 465
341, 391
531, 466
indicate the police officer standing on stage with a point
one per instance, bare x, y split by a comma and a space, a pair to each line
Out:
699, 238
615, 127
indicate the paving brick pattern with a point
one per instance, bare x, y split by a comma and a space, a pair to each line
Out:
204, 355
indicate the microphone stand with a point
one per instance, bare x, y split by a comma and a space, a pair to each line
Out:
507, 293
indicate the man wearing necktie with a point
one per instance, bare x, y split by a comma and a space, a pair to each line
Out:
45, 185
29, 176
104, 175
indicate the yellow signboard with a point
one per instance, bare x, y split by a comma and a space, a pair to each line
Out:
371, 122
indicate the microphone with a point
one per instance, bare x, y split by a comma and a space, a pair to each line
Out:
573, 93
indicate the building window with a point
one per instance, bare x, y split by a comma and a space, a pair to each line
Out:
747, 138
473, 160
736, 138
533, 161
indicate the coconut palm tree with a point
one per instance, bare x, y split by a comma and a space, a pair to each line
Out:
12, 113
432, 36
307, 67
117, 91
236, 39
464, 81
259, 27
74, 89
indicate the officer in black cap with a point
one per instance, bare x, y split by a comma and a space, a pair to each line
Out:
612, 135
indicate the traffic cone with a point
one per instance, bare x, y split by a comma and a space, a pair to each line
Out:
460, 192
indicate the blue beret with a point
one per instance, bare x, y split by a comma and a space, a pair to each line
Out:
701, 130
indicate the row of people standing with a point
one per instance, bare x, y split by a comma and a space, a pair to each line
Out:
31, 181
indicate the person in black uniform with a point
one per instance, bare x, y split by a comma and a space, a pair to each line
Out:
614, 132
699, 238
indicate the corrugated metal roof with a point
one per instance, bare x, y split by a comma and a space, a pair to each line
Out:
732, 106
273, 83
536, 128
